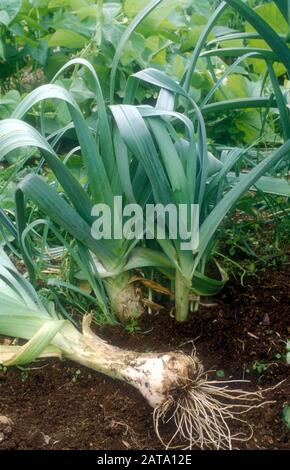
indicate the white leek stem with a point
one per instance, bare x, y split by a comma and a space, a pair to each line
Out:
154, 375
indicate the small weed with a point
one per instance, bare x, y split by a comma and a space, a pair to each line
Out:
220, 373
260, 367
76, 376
286, 415
133, 326
24, 373
3, 369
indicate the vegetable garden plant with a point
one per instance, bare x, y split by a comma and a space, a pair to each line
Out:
151, 152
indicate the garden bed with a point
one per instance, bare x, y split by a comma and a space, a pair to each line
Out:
61, 406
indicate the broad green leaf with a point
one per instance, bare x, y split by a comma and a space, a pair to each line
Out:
71, 4
281, 103
192, 38
224, 80
250, 123
272, 15
87, 12
167, 16
237, 86
124, 39
68, 39
8, 10
277, 45
8, 103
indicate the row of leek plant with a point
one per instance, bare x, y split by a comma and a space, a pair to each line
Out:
110, 259
154, 159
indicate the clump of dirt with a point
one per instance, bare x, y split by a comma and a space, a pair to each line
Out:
58, 405
5, 427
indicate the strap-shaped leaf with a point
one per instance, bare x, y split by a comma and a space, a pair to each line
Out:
96, 173
8, 352
281, 103
186, 79
37, 344
284, 7
237, 36
214, 219
4, 220
266, 184
16, 287
239, 103
238, 51
137, 137
201, 284
171, 160
157, 78
15, 134
55, 207
104, 130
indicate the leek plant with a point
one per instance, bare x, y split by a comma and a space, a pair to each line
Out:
173, 384
185, 173
97, 258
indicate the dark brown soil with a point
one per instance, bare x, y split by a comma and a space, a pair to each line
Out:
62, 406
